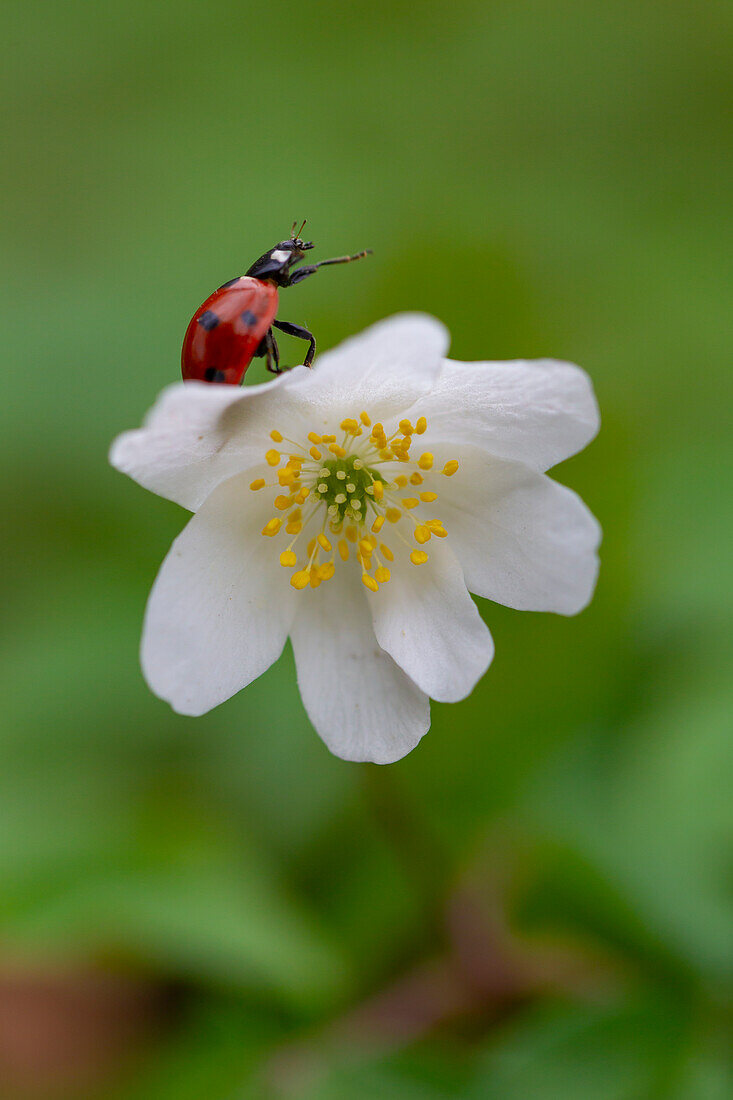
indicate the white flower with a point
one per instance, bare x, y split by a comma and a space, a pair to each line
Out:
353, 507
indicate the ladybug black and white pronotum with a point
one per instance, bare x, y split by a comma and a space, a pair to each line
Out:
234, 325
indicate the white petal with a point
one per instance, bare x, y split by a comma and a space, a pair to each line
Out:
188, 444
221, 606
425, 618
362, 705
538, 412
384, 369
522, 539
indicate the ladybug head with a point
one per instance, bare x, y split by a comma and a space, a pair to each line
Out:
276, 263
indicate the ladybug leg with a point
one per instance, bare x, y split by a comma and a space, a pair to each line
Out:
272, 352
302, 334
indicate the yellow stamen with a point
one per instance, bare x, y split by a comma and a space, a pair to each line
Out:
369, 582
288, 558
393, 515
416, 479
350, 533
315, 454
450, 467
271, 527
272, 457
386, 552
323, 542
275, 436
378, 487
378, 524
364, 417
258, 483
400, 481
336, 450
428, 498
326, 571
315, 578
329, 439
410, 502
343, 550
287, 476
437, 528
418, 557
283, 502
382, 574
406, 427
311, 547
425, 462
365, 546
420, 425
313, 437
300, 580
422, 534
294, 527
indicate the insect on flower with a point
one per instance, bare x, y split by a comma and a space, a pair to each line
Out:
234, 325
353, 508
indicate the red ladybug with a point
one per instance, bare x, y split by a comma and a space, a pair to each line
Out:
234, 324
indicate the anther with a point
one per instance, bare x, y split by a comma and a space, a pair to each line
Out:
386, 552
275, 436
393, 515
450, 467
378, 490
300, 580
288, 558
410, 502
364, 417
400, 481
369, 582
336, 450
258, 483
323, 542
282, 503
272, 457
420, 425
378, 524
422, 534
437, 528
418, 557
406, 427
315, 454
425, 462
343, 550
382, 574
271, 527
314, 437
428, 498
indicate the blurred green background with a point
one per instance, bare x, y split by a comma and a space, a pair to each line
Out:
538, 902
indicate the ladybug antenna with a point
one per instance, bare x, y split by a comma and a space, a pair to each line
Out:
296, 235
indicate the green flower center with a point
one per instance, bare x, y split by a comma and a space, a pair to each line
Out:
346, 485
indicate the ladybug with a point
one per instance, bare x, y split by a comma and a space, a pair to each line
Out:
234, 325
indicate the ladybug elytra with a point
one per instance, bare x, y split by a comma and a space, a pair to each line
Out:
234, 325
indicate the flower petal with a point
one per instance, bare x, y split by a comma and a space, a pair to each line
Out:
220, 608
522, 539
188, 444
425, 618
362, 705
384, 369
534, 411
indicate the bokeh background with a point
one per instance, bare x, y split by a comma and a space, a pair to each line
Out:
537, 903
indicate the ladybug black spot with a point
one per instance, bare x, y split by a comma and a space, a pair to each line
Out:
213, 374
208, 320
249, 318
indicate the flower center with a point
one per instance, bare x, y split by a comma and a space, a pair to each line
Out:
335, 498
